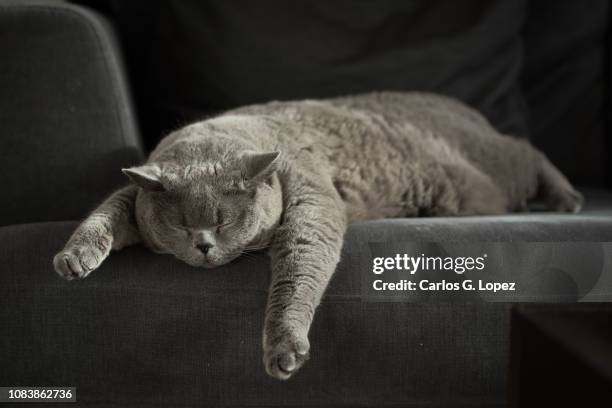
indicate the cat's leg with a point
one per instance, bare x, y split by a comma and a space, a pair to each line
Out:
110, 226
556, 189
305, 252
463, 190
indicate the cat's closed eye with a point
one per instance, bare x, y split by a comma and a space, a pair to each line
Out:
180, 223
219, 217
182, 229
222, 222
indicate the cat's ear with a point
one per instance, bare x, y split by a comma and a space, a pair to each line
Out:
259, 166
147, 177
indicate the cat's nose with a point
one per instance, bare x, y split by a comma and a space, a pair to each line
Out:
204, 248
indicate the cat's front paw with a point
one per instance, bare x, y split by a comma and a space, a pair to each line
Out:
285, 355
78, 261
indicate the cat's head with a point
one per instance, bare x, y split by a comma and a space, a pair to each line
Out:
207, 214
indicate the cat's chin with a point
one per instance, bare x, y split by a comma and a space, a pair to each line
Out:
198, 263
205, 264
208, 265
219, 262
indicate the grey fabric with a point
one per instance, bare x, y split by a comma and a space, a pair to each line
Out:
66, 122
147, 330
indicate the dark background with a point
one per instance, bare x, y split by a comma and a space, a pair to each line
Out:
536, 69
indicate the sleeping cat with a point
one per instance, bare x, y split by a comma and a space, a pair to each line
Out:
290, 176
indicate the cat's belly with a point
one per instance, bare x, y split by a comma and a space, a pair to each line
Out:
394, 166
402, 171
392, 177
403, 192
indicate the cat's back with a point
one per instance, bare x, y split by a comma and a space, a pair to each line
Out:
441, 115
370, 127
350, 129
438, 114
400, 104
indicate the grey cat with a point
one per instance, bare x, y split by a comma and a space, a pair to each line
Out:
290, 176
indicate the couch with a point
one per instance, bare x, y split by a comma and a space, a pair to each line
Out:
89, 88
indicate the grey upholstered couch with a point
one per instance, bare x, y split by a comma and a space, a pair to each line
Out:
146, 330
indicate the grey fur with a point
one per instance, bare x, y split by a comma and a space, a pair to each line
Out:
218, 188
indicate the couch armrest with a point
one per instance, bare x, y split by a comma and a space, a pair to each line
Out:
66, 121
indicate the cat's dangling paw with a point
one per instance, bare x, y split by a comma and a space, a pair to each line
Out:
76, 262
285, 356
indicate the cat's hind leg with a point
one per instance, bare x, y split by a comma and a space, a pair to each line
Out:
559, 194
110, 226
464, 190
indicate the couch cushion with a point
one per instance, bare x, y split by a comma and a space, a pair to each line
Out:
66, 122
148, 330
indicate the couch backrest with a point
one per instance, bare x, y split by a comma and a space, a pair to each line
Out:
534, 68
565, 80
